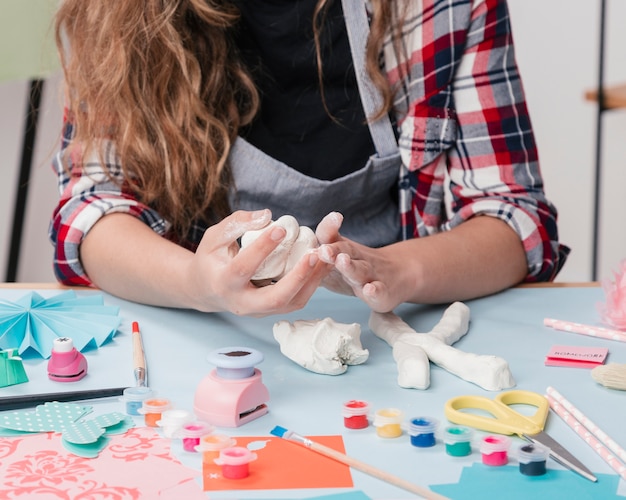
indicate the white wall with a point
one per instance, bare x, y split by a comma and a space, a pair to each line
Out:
556, 43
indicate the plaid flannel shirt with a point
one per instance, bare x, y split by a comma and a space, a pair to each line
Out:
465, 139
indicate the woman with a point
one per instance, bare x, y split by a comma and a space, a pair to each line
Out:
192, 121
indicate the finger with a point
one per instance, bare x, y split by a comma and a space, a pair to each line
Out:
289, 294
303, 279
376, 295
327, 230
355, 272
228, 230
329, 252
248, 259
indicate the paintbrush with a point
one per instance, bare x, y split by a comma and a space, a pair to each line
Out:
354, 463
139, 358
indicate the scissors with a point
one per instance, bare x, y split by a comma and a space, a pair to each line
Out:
508, 421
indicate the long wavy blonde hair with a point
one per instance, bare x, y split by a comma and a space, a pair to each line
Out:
162, 79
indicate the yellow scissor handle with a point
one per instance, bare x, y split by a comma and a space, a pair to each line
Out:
505, 419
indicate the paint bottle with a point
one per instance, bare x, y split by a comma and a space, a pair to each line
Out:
494, 450
133, 398
235, 462
532, 459
388, 422
191, 433
458, 441
211, 444
355, 414
152, 409
172, 421
422, 431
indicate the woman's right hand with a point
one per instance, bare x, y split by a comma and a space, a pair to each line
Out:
220, 272
124, 257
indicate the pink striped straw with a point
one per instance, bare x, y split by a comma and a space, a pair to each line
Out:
592, 427
588, 423
592, 331
588, 437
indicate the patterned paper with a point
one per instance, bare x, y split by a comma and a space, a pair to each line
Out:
85, 438
135, 465
53, 416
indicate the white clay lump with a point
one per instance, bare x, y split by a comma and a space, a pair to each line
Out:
298, 241
413, 351
322, 345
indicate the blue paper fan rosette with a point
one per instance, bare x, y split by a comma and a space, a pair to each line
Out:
31, 323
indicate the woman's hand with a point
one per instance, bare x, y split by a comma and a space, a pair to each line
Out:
483, 255
123, 256
369, 273
220, 272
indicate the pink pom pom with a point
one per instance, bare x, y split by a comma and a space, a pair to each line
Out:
613, 312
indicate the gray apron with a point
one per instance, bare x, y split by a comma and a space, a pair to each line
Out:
364, 198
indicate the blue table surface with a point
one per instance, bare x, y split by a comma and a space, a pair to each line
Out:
508, 324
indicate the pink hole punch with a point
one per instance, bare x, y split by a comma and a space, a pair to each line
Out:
233, 393
66, 364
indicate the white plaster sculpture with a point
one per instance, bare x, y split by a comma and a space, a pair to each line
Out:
321, 346
413, 351
298, 241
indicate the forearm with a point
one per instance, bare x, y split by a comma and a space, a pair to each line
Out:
124, 257
477, 258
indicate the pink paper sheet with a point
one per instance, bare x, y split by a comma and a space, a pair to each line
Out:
134, 465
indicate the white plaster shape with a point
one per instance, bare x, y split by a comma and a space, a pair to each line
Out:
298, 241
321, 345
413, 351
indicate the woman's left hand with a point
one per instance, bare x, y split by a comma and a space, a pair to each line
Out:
483, 255
368, 273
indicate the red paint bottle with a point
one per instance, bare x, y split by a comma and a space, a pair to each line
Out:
355, 414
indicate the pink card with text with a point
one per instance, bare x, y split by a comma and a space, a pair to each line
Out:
576, 356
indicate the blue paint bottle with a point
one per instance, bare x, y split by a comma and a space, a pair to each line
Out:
134, 398
422, 431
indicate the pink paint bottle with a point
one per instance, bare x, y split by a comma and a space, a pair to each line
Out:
355, 414
494, 450
191, 433
235, 462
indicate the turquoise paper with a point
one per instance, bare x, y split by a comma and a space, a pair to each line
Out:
31, 323
482, 481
